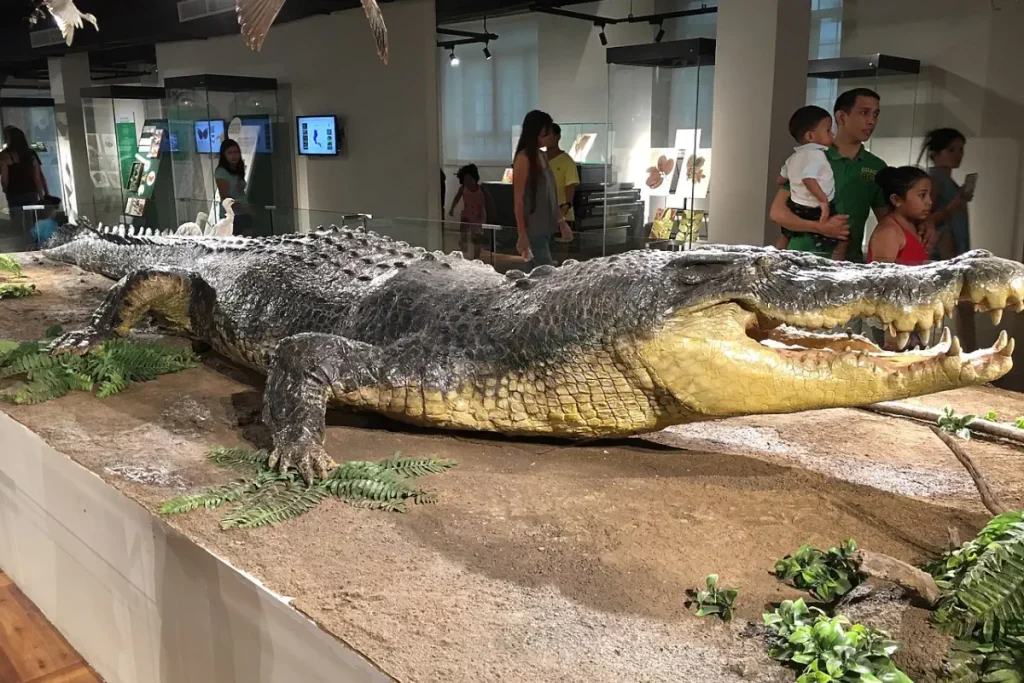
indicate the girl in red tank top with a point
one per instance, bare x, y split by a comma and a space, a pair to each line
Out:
895, 240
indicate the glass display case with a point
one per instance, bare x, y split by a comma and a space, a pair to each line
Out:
657, 177
203, 111
895, 79
37, 119
897, 138
116, 118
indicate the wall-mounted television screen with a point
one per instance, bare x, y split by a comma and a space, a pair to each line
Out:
318, 135
209, 135
265, 143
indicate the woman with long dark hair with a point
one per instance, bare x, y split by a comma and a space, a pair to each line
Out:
945, 150
535, 193
230, 177
21, 176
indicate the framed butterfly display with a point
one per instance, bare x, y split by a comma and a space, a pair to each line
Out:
209, 136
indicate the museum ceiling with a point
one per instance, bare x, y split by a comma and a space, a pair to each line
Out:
130, 25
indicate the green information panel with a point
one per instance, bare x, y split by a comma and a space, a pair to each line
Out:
126, 146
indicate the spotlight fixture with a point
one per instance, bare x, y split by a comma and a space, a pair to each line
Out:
454, 60
661, 33
601, 35
487, 50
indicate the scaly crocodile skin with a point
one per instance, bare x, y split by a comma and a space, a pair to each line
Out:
613, 346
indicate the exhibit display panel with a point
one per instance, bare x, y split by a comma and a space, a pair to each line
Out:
37, 119
131, 178
657, 178
896, 79
204, 110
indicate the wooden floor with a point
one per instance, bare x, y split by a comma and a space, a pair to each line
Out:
31, 649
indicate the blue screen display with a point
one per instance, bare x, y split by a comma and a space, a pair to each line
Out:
318, 135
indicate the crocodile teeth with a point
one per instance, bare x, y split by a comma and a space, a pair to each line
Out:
892, 329
1008, 350
997, 316
902, 339
954, 348
925, 334
1001, 342
946, 339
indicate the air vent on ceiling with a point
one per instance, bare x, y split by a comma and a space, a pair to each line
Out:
45, 37
190, 10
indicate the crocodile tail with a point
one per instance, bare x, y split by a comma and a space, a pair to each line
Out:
110, 250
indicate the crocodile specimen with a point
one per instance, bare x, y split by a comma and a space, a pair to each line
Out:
613, 346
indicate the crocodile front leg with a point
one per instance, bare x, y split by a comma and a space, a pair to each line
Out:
305, 370
182, 298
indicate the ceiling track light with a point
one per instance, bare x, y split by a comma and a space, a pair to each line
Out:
487, 50
601, 35
452, 58
661, 33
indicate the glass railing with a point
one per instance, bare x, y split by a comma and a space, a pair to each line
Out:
492, 244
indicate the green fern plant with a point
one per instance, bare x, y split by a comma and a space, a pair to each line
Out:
9, 265
271, 497
983, 581
975, 662
105, 370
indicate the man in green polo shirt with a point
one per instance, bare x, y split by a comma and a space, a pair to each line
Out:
856, 114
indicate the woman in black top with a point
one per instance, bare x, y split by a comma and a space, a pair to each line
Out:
20, 174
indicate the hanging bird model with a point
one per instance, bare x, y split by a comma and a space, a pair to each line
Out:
256, 16
67, 16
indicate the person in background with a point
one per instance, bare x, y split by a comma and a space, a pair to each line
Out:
476, 208
45, 227
908, 191
230, 177
812, 185
854, 168
535, 195
21, 176
567, 176
945, 150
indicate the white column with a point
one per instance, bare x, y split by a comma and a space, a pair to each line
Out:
760, 80
68, 75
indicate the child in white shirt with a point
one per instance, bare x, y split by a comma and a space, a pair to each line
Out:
812, 187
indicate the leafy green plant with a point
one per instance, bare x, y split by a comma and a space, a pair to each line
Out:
269, 497
956, 424
983, 581
9, 265
983, 603
827, 575
17, 290
105, 370
825, 648
991, 416
976, 662
713, 600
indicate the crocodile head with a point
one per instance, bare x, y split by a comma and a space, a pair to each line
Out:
746, 329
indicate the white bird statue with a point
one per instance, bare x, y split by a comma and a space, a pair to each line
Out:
256, 16
225, 227
195, 229
67, 16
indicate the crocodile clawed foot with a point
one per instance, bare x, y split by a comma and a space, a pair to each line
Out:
310, 459
78, 342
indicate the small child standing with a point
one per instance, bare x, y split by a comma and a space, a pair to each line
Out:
809, 173
476, 206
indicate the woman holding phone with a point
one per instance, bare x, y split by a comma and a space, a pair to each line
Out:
945, 150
